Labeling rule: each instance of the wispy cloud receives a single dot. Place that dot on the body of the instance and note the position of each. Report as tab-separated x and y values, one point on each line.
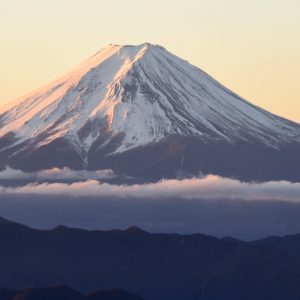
54	174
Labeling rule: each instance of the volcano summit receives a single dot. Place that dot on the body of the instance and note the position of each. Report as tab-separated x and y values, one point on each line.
144	112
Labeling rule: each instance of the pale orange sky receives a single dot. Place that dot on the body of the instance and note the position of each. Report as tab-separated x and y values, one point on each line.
252	47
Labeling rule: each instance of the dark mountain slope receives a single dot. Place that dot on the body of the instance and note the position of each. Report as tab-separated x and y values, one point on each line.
65	293
53	293
7	294
156	266
113	294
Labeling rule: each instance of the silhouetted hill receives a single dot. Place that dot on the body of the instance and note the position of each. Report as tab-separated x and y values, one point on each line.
3	221
52	293
7	294
288	244
155	266
113	294
65	293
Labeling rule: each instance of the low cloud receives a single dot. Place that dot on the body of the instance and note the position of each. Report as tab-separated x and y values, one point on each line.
209	187
212	205
57	174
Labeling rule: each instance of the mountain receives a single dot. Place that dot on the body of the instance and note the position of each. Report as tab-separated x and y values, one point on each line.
53	293
7	294
65	293
3	221
144	112
156	266
113	294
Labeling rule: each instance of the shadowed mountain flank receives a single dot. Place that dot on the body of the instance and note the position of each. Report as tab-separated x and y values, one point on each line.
199	266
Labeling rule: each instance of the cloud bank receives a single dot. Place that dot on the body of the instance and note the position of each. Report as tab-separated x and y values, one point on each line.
212	205
209	187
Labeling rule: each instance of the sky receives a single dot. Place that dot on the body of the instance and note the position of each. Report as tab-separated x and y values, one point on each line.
252	47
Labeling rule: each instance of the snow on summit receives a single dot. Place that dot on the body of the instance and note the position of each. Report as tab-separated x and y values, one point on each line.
141	94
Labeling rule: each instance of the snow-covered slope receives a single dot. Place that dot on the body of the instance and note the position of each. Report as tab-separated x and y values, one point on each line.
141	95
145	93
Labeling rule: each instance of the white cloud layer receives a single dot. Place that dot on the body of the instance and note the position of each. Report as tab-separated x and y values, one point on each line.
209	187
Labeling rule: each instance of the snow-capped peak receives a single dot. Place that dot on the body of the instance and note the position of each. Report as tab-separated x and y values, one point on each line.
142	94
